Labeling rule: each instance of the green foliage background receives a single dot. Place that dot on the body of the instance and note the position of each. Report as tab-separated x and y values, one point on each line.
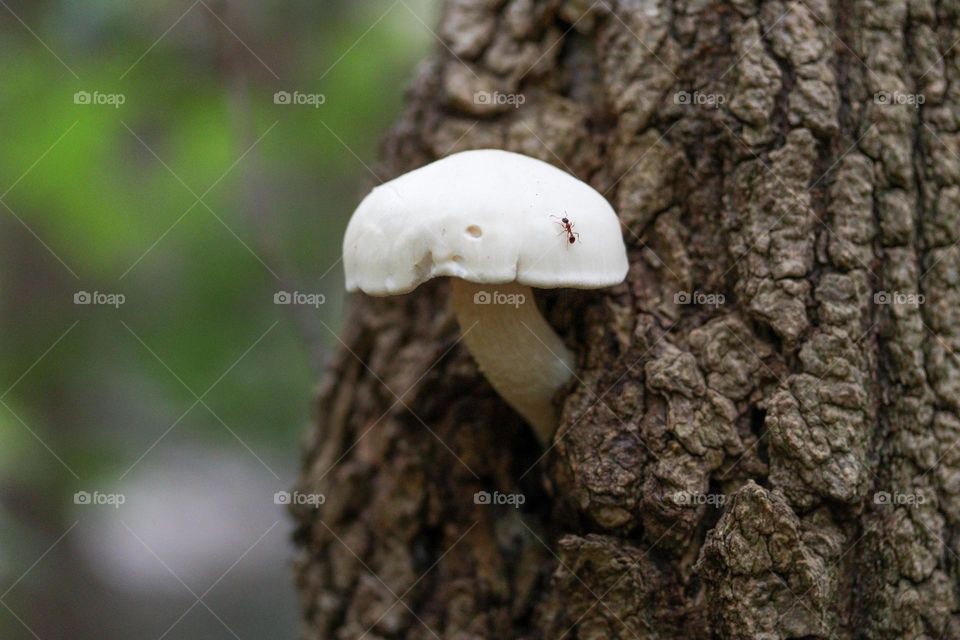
89	207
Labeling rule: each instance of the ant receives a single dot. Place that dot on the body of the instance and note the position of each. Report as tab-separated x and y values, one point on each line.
572	236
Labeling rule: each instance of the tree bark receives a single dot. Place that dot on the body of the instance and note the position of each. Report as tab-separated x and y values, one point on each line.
762	437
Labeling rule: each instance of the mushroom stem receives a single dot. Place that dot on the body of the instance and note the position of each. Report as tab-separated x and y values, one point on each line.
518	352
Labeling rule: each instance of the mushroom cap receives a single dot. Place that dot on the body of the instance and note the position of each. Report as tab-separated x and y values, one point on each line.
484	216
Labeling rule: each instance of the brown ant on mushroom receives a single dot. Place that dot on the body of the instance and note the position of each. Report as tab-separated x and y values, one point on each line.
572	236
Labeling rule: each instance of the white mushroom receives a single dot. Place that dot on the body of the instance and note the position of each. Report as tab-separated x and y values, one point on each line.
492	221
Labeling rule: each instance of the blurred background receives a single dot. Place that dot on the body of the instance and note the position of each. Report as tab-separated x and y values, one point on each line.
175	179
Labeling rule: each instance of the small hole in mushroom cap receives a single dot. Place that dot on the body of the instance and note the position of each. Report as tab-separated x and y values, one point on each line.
474	231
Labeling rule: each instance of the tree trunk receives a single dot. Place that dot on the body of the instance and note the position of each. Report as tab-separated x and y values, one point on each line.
762	437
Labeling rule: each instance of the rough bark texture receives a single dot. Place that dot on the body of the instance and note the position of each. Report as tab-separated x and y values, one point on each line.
781	465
